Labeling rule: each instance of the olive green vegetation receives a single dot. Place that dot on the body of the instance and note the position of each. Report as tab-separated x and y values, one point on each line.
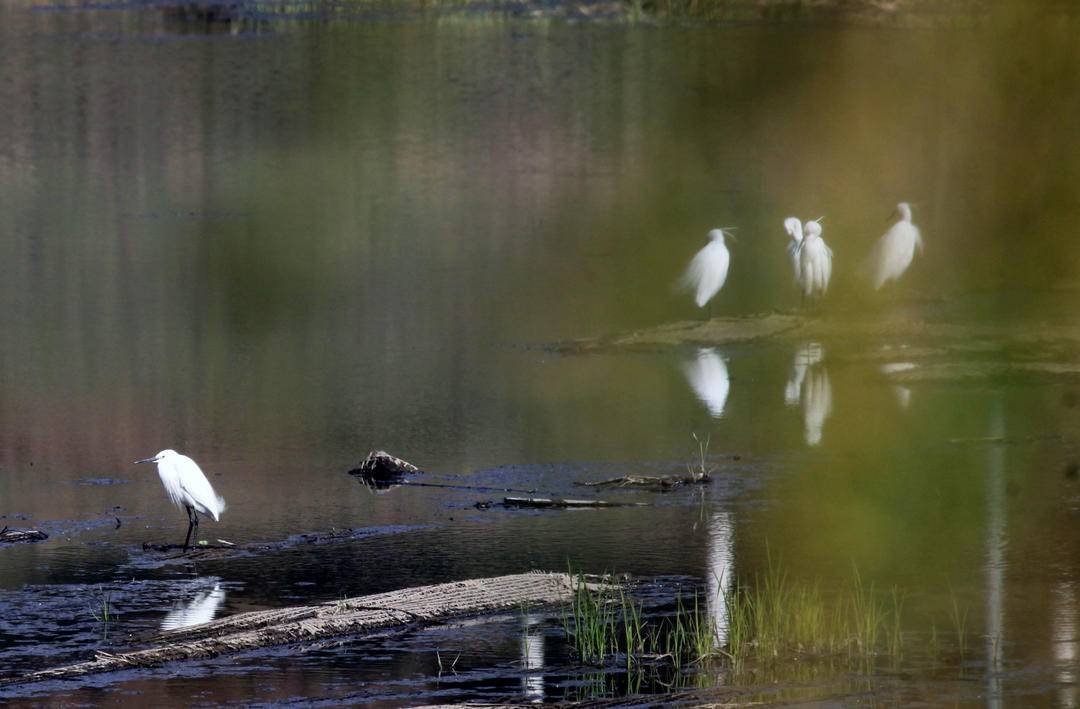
770	621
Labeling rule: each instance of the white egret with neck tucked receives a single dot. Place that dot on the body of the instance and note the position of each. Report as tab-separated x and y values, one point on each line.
895	249
187	487
708	269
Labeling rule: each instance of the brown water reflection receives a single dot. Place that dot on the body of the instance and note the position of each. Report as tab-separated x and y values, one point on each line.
277	250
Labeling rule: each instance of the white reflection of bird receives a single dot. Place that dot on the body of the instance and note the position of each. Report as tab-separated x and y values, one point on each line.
815	262
708	269
805	356
532	658
721	568
903	394
199	610
794	229
187	487
894	251
817	403
708	377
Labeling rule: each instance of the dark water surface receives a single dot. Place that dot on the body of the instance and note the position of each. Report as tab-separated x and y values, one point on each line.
275	245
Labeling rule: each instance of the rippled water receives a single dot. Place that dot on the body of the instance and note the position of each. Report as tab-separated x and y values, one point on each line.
276	245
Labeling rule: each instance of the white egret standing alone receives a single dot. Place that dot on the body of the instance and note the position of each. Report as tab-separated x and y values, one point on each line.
186	486
794	229
815	262
895	249
708	269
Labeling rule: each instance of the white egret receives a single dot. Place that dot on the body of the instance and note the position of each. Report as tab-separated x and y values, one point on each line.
708	269
708	377
794	229
186	486
815	262
894	251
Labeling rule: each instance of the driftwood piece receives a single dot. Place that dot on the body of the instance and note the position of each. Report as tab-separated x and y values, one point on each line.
663	482
423	605
381	470
558	503
14	536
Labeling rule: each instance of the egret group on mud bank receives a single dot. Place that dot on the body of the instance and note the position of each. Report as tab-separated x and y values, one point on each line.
810	257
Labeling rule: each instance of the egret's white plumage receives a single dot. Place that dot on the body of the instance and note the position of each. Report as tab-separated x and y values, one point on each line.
707	270
794	229
708	377
815	262
187	486
894	251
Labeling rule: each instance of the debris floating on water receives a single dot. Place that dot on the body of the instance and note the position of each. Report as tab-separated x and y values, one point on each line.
15	536
381	470
558	503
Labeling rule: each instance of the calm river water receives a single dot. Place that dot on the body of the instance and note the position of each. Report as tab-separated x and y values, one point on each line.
275	245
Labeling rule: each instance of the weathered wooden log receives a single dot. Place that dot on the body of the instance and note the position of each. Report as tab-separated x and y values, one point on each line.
424	605
557	503
15	536
381	470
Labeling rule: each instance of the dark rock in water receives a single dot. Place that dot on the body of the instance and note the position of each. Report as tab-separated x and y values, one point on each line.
381	470
14	536
1072	470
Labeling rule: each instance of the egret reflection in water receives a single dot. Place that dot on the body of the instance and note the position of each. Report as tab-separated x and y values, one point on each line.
1066	643
708	377
200	609
532	659
805	357
903	394
809	384
721	560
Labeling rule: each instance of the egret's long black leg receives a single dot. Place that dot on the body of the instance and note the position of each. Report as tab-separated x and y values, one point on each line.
192	523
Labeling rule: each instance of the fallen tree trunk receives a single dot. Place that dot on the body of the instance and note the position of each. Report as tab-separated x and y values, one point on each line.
14	536
423	605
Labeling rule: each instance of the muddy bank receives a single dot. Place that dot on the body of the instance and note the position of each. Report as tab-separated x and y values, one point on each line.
260	629
904	13
904	349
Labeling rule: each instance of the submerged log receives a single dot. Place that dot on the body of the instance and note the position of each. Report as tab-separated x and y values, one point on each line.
424	605
381	470
664	482
558	503
14	536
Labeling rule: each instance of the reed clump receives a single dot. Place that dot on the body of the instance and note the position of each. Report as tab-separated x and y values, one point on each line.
768	619
774	618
